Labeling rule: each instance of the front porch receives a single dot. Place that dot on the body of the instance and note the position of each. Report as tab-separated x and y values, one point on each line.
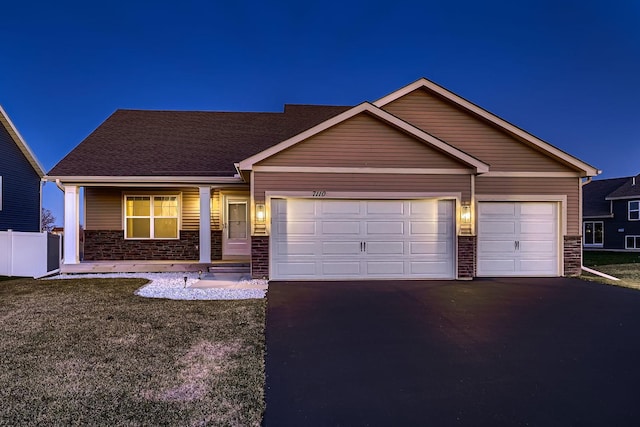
142	266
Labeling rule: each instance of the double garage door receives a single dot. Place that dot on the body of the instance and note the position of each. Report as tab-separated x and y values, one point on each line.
362	239
518	239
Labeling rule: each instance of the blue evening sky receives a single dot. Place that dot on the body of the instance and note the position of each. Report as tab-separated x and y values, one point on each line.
567	71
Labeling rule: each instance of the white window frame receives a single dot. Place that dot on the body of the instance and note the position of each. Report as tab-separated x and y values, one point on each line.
636	241
635	210
584	233
152	217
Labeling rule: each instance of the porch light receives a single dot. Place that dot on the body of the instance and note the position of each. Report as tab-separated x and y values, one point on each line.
260	213
465	213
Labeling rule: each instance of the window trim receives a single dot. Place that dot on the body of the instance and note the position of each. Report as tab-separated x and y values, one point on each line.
592	245
151	217
636	210
636	241
1	191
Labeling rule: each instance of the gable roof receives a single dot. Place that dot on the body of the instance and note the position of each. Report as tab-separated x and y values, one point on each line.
628	190
365	107
138	143
594	193
474	109
6	122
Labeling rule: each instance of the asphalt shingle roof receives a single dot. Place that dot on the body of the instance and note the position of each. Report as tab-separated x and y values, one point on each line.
596	193
184	143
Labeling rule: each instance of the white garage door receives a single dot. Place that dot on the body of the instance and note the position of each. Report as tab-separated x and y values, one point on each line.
518	239
362	239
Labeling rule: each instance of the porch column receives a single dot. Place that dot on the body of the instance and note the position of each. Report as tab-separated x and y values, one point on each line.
205	224
70	250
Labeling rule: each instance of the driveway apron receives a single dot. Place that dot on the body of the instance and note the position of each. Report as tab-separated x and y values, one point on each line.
534	352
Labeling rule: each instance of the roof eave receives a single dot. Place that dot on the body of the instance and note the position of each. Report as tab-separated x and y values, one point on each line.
145	180
20	142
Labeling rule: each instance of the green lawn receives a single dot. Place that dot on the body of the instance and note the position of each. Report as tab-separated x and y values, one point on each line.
622	265
596	258
89	352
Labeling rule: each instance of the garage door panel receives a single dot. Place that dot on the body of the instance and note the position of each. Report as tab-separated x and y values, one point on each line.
537	228
296	248
538	247
429	268
496	246
429	248
497	227
296	269
497	209
385	268
341	227
429	228
386	207
538	210
339	248
341	268
524	245
297	228
340	208
538	266
385	227
385	248
362	239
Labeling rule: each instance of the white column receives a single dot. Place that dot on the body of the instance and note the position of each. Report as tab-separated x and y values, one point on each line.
205	224
71	252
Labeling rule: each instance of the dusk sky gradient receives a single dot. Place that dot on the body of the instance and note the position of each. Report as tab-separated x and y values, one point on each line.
566	71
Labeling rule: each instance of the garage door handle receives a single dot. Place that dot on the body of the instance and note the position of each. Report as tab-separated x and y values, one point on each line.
517	245
365	246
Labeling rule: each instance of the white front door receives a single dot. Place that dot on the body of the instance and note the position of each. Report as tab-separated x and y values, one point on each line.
236	238
518	239
362	239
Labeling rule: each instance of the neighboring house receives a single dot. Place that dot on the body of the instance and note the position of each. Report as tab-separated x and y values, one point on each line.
24	249
611	213
419	184
20	181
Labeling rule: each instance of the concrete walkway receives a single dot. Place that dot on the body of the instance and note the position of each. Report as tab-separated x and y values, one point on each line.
511	352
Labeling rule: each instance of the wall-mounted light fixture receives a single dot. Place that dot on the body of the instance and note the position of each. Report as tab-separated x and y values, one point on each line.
260	213
465	213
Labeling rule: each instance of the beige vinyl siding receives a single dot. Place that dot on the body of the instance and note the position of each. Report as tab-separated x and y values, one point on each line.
538	186
363	141
470	134
344	182
104	206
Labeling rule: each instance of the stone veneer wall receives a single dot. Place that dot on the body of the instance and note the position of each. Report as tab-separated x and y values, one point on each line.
572	255
110	245
466	257
260	257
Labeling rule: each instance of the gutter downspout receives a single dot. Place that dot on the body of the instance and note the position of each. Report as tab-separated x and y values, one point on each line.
590	270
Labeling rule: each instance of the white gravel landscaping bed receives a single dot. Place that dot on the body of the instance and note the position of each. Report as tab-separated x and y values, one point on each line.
172	286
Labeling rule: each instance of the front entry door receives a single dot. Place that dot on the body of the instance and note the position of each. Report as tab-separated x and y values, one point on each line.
236	236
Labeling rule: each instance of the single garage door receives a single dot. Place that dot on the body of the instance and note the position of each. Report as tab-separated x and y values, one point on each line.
518	239
362	239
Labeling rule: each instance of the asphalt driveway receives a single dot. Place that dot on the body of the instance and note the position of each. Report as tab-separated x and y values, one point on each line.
529	352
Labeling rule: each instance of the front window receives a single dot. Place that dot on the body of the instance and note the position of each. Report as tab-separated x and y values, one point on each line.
634	210
593	233
632	242
151	217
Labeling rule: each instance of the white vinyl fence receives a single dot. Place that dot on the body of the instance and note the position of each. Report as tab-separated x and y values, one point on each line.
28	254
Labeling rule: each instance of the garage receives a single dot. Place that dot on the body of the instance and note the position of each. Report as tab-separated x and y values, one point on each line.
518	239
332	239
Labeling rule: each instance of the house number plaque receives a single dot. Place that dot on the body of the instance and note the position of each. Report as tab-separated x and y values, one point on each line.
318	193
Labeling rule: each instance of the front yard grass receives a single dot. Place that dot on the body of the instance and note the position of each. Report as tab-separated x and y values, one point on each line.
90	352
623	265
